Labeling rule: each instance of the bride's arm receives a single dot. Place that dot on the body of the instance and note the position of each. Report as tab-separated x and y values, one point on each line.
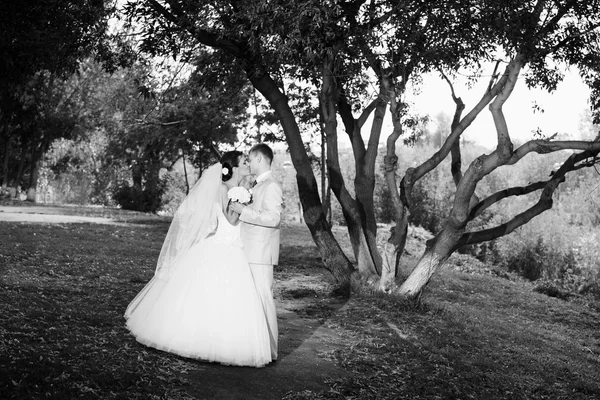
231	215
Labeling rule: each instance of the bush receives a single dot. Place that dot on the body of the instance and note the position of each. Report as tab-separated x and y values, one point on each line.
174	192
145	200
5	194
542	261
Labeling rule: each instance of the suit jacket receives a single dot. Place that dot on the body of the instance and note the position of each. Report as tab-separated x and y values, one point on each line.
260	229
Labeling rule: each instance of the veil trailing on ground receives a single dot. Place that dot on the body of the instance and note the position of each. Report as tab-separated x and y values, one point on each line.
195	218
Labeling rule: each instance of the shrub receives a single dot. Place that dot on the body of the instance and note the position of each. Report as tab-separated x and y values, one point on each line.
145	200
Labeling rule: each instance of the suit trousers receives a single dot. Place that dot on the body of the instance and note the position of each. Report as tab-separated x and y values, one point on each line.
263	280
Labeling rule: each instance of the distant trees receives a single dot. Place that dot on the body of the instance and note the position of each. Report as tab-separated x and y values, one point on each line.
50	89
41	44
133	129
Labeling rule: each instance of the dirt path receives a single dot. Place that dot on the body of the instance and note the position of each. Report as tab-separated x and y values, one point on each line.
306	344
51	215
305	362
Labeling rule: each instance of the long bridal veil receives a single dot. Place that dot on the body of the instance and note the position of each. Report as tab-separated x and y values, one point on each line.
194	219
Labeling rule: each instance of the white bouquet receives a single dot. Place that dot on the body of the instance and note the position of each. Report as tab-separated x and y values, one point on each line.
240	194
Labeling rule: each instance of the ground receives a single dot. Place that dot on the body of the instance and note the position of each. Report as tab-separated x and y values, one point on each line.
67	273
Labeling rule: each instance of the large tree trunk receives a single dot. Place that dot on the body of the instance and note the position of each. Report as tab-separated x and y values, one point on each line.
436	253
365	180
394	247
33	180
20	171
328	99
333	257
362	209
5	159
137	175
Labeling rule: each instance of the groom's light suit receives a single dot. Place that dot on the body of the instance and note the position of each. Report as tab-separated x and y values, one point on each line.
260	235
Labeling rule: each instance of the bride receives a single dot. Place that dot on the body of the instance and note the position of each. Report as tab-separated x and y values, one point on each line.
202	302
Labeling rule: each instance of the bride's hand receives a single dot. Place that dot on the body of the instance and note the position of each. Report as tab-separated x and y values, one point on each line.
237	207
246	181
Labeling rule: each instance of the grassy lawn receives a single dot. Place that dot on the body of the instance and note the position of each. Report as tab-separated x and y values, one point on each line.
64	287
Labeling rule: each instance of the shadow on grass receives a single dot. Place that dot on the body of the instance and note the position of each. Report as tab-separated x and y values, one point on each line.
63	290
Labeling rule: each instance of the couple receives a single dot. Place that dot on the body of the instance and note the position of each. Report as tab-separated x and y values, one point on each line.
211	296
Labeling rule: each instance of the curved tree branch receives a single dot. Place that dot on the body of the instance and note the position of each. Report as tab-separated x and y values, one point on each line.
503	194
456	163
541	146
505	146
454	136
543	204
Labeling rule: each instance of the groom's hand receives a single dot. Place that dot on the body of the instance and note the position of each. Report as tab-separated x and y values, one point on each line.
237	207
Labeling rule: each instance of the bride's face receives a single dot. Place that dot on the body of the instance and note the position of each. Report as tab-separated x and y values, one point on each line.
243	167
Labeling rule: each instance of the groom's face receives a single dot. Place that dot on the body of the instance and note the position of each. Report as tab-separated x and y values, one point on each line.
253	161
244	167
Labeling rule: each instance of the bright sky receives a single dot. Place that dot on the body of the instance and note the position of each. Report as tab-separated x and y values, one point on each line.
563	109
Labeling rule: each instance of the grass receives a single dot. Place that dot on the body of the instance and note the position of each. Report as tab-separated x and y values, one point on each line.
64	287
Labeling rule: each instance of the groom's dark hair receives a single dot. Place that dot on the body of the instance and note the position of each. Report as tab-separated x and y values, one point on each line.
264	150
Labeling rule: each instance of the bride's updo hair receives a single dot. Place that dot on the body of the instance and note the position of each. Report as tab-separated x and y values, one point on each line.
228	161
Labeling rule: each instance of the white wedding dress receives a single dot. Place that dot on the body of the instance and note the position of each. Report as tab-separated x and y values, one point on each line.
208	308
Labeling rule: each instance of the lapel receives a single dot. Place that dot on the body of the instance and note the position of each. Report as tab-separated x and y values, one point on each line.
258	189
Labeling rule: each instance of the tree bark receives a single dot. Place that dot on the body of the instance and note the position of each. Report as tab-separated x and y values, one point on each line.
333	257
436	253
328	99
33	180
137	175
363	208
20	170
398	235
365	183
5	159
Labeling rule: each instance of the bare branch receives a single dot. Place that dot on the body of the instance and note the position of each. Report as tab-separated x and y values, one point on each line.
352	127
545	146
456	99
215	150
504	143
494	75
367	112
454	136
543	204
456	163
144	121
503	194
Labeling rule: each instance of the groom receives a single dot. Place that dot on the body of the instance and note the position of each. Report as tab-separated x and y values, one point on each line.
260	231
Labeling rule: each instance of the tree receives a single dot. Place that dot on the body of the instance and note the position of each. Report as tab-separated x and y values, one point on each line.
50	110
529	34
346	46
149	126
233	32
50	36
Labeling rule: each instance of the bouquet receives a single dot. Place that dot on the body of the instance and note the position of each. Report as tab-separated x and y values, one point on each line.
240	194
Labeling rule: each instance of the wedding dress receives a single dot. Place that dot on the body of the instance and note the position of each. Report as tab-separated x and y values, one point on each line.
202	302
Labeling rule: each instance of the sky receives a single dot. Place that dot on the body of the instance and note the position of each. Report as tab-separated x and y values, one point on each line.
563	109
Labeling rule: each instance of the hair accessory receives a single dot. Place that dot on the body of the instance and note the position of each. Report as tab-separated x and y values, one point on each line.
225	170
